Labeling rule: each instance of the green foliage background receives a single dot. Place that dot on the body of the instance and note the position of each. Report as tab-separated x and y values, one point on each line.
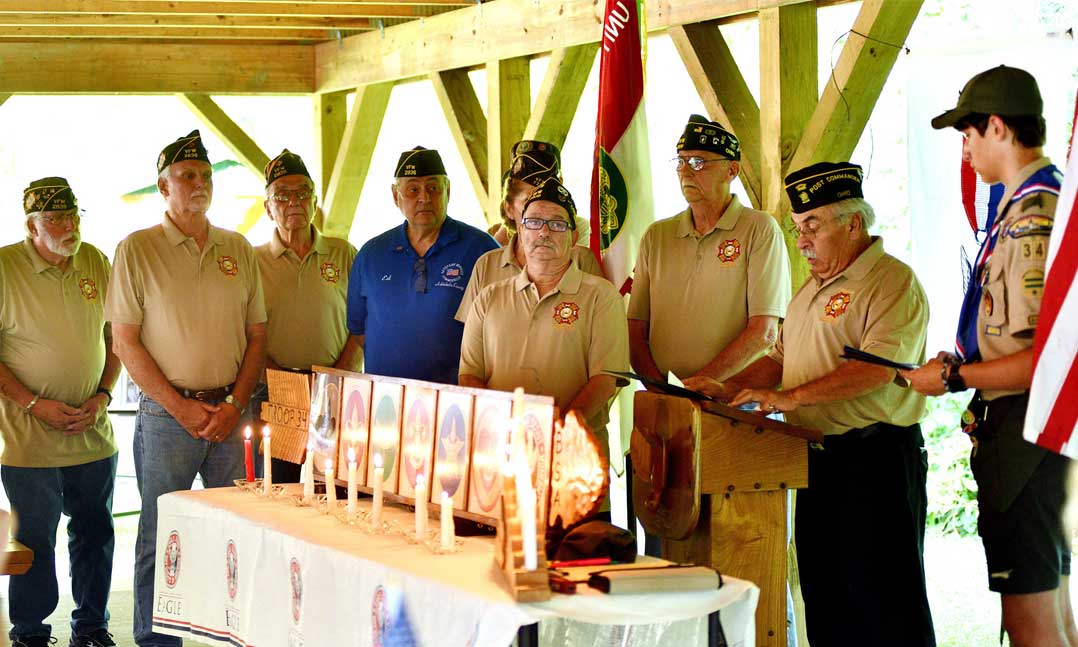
952	492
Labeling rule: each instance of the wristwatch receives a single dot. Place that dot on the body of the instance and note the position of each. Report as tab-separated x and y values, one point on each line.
952	379
231	399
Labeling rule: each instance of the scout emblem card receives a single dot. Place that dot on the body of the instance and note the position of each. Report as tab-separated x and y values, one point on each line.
355	426
538	422
453	448
417	437
490	435
325	418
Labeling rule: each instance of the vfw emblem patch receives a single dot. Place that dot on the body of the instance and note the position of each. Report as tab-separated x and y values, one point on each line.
837	304
172	559
330	273
228	265
88	289
232	568
729	250
566	312
296	580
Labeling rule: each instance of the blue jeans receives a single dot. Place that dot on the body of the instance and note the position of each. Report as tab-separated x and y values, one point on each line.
167	459
38	496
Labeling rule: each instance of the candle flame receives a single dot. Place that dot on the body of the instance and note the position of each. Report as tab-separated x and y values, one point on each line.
445	497
328	465
351	454
378	461
247	433
265	431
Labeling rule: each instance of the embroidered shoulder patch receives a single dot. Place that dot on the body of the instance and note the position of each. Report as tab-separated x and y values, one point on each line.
1033	225
837	304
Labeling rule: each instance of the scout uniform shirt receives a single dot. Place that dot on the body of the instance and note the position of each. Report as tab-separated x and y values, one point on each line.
499	264
1013	277
194	305
550	346
306	300
876	304
51	338
698	291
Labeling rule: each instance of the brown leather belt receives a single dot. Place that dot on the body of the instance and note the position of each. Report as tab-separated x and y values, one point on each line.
207	395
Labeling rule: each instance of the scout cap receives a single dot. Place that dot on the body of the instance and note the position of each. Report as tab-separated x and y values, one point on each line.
184	148
287	163
533	161
419	162
552	190
48	194
703	135
822	184
1004	91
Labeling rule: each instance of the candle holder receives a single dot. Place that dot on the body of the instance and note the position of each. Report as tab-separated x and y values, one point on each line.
363	522
436	547
524	585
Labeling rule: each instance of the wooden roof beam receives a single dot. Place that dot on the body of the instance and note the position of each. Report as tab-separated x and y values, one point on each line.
158	21
467	123
167	8
157	33
354	158
228	131
566	75
726	96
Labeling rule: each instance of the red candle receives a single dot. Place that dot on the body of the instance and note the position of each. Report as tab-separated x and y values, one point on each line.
248	457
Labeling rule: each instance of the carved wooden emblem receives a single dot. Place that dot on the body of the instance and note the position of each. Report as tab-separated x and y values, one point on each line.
580	473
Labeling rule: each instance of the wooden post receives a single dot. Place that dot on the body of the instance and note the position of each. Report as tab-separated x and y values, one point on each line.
508	110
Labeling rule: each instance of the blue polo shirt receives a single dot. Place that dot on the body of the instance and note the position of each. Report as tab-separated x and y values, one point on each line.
411	333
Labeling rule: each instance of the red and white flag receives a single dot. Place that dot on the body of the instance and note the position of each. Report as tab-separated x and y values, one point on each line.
621	208
1052	417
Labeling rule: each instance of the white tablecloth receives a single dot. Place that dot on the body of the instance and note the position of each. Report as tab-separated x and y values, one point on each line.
234	568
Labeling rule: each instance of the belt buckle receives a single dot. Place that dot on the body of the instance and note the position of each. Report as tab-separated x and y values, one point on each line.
199	395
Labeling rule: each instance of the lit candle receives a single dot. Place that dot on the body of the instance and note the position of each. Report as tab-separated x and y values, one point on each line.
308	473
526	510
331	486
248	458
352	483
421	507
448	528
376	505
267	464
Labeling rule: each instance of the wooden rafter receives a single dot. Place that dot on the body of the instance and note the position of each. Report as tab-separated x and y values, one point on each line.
106	22
168	33
169	8
330	120
863	67
467	123
508	110
726	96
354	158
555	106
240	143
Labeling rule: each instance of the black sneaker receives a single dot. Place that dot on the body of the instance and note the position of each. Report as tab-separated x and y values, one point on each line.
97	638
33	641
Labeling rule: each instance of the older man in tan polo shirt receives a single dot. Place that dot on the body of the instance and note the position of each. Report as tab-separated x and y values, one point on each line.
305	280
56	372
190	326
552	329
860	523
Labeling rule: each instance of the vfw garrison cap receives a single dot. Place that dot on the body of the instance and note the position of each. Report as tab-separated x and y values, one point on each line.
703	135
419	162
48	194
287	163
552	190
822	184
184	148
533	161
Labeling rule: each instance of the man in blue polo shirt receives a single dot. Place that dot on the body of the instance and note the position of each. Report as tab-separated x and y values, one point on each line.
406	283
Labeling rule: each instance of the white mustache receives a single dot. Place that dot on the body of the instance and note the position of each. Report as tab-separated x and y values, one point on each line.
808	254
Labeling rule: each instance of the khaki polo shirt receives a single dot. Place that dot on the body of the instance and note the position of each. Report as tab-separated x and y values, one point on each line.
876	304
500	264
550	346
698	291
1014	275
194	305
306	300
51	339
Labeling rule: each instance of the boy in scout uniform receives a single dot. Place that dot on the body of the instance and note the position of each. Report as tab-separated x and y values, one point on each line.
1020	485
552	329
532	163
860	523
305	280
710	284
190	326
407	283
57	370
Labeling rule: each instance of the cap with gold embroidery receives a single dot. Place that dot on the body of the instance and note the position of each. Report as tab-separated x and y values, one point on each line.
48	194
419	162
703	135
184	148
823	183
552	190
533	161
287	163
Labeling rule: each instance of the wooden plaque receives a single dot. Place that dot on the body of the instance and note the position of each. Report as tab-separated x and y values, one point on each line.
490	435
417	437
325	418
386	401
579	475
453	448
355	426
287	412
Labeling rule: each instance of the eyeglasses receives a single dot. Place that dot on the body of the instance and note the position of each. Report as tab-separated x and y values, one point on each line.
809	231
284	197
535	224
420	271
694	162
61	219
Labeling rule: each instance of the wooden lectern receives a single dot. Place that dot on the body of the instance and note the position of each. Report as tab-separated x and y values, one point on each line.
712	481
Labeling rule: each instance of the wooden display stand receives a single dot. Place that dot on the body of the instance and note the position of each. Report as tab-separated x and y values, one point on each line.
712	481
524	585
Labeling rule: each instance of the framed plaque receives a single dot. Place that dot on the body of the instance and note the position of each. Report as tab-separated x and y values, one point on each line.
386	401
490	435
355	426
325	418
417	437
452	448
